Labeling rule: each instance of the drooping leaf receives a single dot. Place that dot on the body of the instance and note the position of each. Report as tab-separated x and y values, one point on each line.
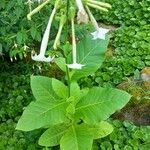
102	129
90	53
59	88
42	88
52	136
77	138
100	103
42	113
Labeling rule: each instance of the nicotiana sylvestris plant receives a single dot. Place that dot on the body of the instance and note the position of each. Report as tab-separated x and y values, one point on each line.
72	117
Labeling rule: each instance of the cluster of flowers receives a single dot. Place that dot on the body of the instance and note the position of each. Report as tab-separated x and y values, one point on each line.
83	16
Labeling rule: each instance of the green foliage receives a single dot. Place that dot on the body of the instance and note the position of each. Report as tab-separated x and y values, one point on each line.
11	109
16	32
131	53
127	13
91	54
78	138
99	103
130	48
52	110
126	136
15	94
52	136
47	109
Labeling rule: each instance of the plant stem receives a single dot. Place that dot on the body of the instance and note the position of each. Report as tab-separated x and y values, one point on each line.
67	35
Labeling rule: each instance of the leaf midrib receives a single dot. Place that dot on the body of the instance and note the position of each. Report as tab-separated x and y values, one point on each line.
75	135
88	53
97	103
51	108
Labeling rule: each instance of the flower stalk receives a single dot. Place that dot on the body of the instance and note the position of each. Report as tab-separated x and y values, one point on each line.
75	65
97	7
57	39
37	9
102	4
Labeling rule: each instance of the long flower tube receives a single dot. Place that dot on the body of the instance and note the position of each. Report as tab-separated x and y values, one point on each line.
44	43
82	16
102	4
97	7
100	33
37	9
75	65
57	39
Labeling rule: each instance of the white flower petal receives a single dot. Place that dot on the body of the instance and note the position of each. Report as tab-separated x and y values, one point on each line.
100	34
75	66
42	58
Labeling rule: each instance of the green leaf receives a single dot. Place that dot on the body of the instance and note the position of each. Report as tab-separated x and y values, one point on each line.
61	63
42	113
102	129
52	136
42	88
100	103
90	53
77	138
75	90
59	88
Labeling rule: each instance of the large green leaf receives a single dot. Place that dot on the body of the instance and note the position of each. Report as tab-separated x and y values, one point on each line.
91	54
100	103
52	136
42	88
42	113
77	138
45	88
101	129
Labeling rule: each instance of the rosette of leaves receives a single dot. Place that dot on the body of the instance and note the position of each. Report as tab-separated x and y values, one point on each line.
73	117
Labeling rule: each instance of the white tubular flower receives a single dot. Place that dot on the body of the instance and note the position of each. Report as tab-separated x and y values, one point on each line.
100	33
44	43
82	16
75	65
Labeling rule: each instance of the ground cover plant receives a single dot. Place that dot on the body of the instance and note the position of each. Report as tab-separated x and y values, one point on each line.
126	13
